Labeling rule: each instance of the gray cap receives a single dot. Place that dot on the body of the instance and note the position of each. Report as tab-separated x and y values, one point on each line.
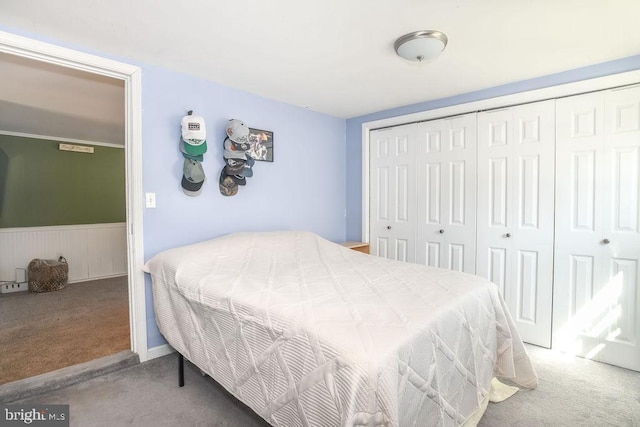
238	131
192	177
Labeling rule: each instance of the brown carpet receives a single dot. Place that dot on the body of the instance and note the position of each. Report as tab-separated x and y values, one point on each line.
43	332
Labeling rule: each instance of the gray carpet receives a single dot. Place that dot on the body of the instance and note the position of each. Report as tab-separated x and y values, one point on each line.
148	395
572	392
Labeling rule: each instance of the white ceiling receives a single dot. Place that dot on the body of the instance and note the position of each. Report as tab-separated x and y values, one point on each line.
37	98
336	56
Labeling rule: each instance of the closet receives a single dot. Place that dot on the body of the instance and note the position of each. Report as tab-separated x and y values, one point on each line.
423	193
541	198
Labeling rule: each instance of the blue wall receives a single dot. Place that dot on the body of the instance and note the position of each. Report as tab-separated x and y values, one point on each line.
354	125
302	189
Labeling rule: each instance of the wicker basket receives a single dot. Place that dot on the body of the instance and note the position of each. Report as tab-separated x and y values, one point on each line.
46	275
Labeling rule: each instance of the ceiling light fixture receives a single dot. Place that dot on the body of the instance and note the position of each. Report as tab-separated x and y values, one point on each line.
421	45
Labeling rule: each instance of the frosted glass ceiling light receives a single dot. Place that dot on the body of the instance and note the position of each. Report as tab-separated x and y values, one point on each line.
420	45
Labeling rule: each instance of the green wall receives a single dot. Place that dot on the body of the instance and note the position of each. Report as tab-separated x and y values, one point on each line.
41	185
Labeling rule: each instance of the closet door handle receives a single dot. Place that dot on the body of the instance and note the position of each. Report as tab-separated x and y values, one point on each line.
507	235
441	231
388	227
606	241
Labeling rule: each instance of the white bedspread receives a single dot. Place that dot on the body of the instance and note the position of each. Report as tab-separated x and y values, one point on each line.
308	333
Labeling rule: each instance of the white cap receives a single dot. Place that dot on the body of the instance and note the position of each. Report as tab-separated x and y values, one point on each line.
193	129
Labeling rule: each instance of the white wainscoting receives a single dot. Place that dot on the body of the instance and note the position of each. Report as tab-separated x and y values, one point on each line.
92	250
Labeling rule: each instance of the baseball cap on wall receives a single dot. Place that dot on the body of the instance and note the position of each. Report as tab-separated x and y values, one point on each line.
192	177
193	128
230	152
186	155
194	135
228	187
195	147
238	131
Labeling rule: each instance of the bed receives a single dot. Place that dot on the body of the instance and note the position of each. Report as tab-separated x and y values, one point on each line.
306	332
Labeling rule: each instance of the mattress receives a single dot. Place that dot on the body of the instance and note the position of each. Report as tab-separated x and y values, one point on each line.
308	333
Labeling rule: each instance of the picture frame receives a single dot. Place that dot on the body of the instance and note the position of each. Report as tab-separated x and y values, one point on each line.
261	145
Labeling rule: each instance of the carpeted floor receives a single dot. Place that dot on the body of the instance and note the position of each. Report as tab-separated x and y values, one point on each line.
43	332
573	392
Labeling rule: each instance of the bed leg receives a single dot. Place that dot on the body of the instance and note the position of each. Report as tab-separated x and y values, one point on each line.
180	370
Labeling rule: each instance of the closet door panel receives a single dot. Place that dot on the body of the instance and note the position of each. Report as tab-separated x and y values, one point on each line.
621	344
460	225
495	139
446	193
515	212
531	294
578	271
432	194
596	296
392	196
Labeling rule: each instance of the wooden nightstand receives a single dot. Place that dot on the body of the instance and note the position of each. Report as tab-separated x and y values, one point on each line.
357	246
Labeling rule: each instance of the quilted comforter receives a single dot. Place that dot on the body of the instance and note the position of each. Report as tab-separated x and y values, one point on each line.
308	333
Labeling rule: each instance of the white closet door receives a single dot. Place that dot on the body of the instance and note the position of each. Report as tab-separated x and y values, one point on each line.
495	213
579	202
596	296
446	187
392	199
515	212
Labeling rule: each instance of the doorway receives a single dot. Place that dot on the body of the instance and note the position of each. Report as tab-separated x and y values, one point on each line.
131	78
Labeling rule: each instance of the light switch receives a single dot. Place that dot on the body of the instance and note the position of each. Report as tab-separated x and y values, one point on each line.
151	200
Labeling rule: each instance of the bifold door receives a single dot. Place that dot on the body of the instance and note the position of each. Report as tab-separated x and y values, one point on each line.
446	188
515	212
392	199
597	254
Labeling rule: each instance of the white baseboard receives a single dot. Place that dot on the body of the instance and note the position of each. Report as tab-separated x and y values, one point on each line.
108	276
159	351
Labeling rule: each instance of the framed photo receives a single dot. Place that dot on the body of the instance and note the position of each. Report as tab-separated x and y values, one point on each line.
261	144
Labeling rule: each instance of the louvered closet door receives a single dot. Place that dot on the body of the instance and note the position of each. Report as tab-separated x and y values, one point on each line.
446	187
515	212
597	262
392	198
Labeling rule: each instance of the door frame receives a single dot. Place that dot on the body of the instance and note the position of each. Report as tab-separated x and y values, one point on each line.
132	77
558	91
